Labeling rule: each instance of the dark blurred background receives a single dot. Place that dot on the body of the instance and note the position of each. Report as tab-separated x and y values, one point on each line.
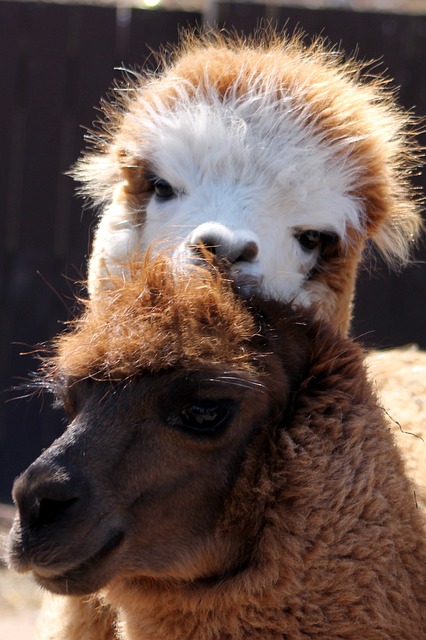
56	61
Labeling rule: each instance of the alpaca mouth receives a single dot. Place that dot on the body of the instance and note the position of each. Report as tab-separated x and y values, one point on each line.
245	284
85	577
239	271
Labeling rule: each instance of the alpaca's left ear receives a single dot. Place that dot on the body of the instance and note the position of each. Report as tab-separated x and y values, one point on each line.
101	173
118	234
97	173
133	172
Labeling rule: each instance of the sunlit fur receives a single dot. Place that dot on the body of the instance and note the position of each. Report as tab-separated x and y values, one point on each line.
295	519
266	136
400	375
148	321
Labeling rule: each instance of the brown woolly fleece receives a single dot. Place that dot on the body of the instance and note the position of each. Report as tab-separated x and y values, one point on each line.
400	376
318	529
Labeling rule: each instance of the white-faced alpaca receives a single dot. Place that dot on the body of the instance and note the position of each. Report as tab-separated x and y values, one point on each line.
226	474
278	156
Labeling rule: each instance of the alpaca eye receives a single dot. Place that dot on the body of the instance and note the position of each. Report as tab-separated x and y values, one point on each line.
65	401
312	239
309	240
204	417
70	396
163	189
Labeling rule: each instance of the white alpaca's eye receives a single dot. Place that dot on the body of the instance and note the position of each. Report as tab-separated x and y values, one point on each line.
163	189
309	240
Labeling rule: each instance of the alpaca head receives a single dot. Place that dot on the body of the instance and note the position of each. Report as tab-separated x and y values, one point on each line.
166	384
275	156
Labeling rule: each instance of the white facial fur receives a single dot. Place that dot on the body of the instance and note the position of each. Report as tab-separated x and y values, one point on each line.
250	168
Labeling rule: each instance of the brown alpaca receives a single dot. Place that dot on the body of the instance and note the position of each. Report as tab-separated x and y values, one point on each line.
400	376
226	474
277	156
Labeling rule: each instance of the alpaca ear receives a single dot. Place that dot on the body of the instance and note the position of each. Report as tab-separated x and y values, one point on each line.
133	172
122	213
97	173
100	173
390	155
397	236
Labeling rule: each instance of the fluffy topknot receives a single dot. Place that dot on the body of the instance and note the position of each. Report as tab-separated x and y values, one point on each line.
154	319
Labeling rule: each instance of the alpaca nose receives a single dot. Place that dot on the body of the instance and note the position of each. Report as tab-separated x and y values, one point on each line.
45	494
224	243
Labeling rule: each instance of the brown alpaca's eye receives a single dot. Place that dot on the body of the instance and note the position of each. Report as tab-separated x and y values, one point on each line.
163	189
204	417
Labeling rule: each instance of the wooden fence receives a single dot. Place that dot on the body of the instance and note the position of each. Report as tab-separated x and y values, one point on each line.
56	61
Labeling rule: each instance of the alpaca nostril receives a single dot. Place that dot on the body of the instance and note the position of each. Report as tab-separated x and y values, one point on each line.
29	510
34	511
53	510
249	252
44	496
200	245
223	243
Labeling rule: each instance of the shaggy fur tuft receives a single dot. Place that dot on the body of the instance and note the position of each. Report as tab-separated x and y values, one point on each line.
152	320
